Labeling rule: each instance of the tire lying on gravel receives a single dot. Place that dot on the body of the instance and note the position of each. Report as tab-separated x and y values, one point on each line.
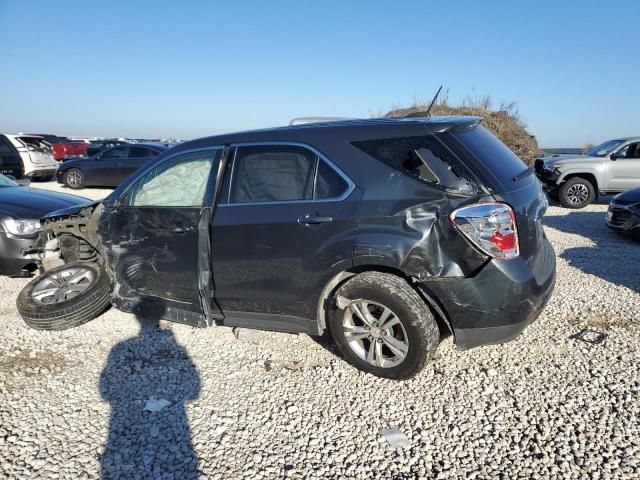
382	326
65	296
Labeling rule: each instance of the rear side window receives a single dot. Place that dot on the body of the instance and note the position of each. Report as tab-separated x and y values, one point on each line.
281	173
422	157
272	173
329	184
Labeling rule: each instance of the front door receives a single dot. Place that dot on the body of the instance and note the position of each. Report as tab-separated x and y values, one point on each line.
623	170
104	170
285	225
154	237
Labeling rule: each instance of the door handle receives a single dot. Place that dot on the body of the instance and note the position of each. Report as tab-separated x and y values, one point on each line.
313	219
179	230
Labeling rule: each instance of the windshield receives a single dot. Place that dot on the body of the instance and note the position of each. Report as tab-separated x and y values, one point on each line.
605	148
7	182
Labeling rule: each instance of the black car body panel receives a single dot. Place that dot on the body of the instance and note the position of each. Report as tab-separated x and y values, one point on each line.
624	212
18	202
272	265
106	170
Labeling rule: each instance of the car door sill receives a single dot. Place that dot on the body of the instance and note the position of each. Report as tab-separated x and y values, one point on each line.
270	321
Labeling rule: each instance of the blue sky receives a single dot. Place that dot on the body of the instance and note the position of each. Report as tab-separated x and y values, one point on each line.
189	69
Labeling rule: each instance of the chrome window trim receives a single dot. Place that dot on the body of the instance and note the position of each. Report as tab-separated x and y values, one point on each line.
350	185
142	173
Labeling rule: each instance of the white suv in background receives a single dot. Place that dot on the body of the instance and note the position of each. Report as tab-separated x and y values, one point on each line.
36	156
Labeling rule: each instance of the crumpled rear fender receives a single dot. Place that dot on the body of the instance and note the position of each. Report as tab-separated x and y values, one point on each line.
418	240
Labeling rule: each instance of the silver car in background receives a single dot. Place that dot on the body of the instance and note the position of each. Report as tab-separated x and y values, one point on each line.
577	180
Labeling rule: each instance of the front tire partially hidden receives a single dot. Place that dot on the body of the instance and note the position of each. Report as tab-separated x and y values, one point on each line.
65	297
382	326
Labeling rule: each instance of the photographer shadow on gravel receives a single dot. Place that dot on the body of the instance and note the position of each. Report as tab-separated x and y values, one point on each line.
142	443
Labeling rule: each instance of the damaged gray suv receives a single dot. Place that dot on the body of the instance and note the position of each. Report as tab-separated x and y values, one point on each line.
387	233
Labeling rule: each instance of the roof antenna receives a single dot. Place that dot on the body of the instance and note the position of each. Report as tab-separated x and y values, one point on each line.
435	97
422	114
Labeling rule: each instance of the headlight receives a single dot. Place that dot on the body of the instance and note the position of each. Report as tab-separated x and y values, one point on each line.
21	227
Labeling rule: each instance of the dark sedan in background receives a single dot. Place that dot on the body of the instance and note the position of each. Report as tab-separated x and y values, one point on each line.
624	212
108	168
20	211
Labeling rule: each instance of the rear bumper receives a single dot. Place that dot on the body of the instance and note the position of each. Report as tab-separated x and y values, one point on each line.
12	262
500	301
41	172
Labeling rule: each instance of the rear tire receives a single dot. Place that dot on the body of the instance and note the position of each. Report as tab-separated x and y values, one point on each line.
394	345
576	192
74	178
44	306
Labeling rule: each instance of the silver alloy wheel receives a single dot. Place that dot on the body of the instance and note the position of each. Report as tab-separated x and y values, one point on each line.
577	194
74	178
62	285
375	333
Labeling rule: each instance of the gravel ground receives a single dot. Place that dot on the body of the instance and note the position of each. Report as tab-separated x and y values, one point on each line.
266	405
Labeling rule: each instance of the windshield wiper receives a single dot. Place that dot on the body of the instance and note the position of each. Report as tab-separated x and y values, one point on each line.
523	174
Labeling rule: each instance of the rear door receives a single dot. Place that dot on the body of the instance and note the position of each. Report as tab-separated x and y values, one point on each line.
623	172
285	225
10	161
156	235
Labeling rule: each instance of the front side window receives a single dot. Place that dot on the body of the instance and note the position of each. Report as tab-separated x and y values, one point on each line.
629	151
271	173
178	182
118	152
605	148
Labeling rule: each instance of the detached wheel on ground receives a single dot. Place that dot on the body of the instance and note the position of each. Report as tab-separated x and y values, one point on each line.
382	326
73	178
576	193
65	297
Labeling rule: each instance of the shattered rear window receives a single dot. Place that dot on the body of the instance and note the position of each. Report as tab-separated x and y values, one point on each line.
422	157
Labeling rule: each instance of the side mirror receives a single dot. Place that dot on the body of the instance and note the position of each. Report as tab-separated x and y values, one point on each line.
616	155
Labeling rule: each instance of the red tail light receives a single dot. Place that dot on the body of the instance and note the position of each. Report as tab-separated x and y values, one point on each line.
489	226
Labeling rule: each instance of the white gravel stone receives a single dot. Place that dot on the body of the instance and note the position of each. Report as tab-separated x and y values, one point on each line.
542	406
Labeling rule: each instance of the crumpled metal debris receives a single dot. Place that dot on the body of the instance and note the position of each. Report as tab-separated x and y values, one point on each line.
155	405
395	438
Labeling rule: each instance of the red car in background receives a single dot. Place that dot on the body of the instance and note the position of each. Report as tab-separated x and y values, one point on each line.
57	145
75	148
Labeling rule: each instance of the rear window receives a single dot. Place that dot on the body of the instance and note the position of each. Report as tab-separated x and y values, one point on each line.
495	155
424	158
34	142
